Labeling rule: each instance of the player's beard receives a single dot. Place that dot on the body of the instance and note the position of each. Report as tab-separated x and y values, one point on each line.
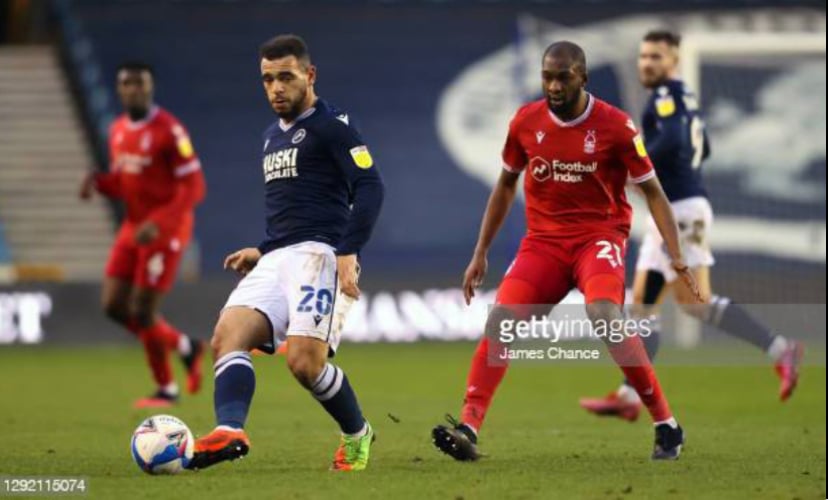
296	108
564	110
652	80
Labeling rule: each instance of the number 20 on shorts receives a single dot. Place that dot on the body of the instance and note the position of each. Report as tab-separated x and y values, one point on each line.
323	296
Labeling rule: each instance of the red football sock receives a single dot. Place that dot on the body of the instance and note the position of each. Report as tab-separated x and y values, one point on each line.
169	335
484	377
157	355
631	357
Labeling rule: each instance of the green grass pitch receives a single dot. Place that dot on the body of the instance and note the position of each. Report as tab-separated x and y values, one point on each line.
68	412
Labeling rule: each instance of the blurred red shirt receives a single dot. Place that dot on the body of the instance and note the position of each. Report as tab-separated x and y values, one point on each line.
155	171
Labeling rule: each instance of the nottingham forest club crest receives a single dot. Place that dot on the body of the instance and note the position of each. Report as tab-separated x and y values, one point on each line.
146	141
589	142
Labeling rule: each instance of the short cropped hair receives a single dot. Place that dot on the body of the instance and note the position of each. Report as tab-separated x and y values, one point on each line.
671	38
283	46
134	65
565	48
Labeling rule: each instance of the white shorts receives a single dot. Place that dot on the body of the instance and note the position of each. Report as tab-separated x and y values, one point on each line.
694	217
296	288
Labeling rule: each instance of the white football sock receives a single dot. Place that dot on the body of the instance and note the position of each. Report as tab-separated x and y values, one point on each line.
361	433
627	394
185	347
777	347
171	389
670	421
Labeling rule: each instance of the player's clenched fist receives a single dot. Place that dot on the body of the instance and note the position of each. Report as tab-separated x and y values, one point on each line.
347	269
243	261
87	186
473	277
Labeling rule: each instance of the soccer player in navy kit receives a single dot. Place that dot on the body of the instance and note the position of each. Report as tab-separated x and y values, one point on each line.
323	196
677	142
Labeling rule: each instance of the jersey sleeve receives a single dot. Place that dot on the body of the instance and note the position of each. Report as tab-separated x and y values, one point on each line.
351	155
668	108
180	151
109	183
190	187
632	152
514	156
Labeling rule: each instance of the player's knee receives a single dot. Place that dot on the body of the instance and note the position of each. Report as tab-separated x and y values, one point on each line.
305	366
602	310
500	319
604	288
223	340
503	316
142	313
687	302
116	310
699	311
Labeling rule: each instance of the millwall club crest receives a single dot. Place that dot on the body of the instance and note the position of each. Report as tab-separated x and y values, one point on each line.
589	142
298	136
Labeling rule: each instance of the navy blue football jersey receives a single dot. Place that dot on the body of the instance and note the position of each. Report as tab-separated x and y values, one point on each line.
321	183
676	139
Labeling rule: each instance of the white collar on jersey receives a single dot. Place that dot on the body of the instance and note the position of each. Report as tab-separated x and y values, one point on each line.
152	113
287	126
578	120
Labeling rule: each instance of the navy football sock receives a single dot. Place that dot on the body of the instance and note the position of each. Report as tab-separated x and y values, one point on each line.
735	320
235	384
334	393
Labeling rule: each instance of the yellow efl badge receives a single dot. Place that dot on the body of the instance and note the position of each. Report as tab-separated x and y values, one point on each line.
639	146
185	147
362	157
665	106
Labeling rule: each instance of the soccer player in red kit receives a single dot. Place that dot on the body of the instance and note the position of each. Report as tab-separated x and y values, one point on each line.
578	153
155	172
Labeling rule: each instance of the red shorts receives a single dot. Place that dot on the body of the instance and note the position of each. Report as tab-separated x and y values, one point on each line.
545	270
153	266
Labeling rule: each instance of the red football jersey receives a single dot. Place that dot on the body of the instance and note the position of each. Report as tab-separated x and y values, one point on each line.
577	170
155	170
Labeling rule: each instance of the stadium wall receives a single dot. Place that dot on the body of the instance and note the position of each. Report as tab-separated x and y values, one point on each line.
433	108
398	83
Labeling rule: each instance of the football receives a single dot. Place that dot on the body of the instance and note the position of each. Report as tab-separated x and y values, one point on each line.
162	444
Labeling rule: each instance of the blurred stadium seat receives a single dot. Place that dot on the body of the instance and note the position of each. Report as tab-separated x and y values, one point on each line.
43	152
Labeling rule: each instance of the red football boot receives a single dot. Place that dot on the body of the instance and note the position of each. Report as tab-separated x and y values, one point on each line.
612	406
218	446
787	367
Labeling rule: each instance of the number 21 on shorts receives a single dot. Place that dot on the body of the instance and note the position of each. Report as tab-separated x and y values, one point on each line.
611	252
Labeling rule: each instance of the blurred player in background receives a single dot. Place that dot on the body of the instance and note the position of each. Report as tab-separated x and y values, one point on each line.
323	195
677	142
155	172
578	153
